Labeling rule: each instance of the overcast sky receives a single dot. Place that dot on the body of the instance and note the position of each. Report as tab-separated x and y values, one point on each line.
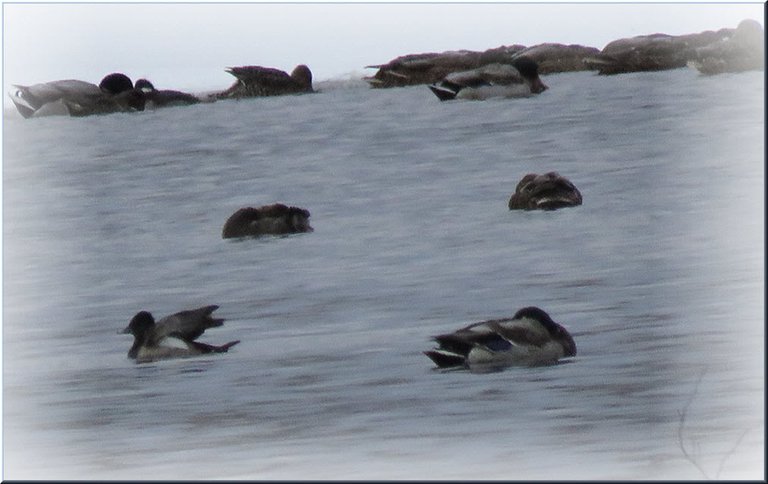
187	46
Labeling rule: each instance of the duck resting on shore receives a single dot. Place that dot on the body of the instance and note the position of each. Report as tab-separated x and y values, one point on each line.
518	79
258	81
529	338
72	97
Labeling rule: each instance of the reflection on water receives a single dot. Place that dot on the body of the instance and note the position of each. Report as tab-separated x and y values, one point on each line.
658	276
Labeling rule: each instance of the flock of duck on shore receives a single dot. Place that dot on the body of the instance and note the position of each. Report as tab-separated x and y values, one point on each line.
506	71
530	337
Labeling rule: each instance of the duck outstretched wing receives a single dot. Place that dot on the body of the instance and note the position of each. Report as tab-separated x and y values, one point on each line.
187	325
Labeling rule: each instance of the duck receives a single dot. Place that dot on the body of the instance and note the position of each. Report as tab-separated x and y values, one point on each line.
165	97
743	51
549	191
173	336
516	80
72	97
258	81
529	338
275	219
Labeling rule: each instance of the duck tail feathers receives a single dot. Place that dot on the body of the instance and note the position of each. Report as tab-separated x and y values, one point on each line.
445	359
206	348
442	93
224	348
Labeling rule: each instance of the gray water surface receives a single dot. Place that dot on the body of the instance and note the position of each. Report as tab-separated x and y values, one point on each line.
659	277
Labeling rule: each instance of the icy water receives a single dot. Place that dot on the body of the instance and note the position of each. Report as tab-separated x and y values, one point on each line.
659	276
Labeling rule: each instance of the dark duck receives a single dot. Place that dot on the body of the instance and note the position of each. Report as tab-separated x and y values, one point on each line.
173	336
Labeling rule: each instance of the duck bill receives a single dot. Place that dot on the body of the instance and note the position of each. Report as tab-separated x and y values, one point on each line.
569	345
127	330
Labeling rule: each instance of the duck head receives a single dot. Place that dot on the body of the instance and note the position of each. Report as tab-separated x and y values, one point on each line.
144	85
140	327
529	70
750	32
302	75
558	332
300	219
119	88
140	324
115	83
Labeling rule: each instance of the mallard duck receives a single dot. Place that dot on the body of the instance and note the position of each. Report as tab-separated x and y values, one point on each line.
520	79
164	97
173	336
257	81
529	338
115	93
549	191
275	219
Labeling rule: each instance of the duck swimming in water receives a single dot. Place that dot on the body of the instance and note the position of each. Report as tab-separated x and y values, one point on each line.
549	191
173	336
115	93
518	79
257	81
529	338
275	219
